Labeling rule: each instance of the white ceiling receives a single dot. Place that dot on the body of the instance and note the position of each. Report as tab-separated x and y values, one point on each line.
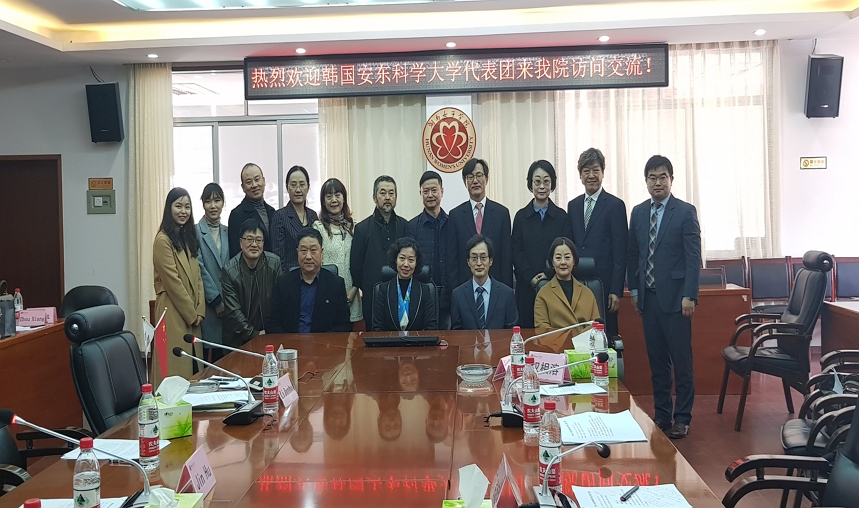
75	32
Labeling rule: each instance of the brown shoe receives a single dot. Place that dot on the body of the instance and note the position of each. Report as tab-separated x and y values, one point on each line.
678	431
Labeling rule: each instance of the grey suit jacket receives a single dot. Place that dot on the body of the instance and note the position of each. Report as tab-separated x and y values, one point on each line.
212	261
676	259
502	313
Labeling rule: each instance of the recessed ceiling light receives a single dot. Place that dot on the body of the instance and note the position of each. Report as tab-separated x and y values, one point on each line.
152	55
604	38
451	44
300	51
760	31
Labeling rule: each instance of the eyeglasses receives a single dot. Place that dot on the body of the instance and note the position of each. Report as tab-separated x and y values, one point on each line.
253	241
297	185
652	179
475	176
545	182
483	259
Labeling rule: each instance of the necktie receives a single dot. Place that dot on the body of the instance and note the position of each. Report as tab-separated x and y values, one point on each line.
588	210
648	273
481	308
478	221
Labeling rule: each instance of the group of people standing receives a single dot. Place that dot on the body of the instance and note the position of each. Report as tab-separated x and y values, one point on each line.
293	270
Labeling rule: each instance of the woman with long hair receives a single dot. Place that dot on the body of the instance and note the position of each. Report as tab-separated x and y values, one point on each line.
178	283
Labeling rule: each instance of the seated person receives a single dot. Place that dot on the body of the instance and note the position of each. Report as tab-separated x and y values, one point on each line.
482	303
247	281
564	301
408	303
309	299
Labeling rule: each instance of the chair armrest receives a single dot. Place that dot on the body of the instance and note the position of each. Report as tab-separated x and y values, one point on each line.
759	462
739	331
755	317
789	337
806	408
837	437
752	484
834	400
73	432
836	357
12	475
777	327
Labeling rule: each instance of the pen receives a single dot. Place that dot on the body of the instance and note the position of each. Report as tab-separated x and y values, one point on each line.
628	494
573	383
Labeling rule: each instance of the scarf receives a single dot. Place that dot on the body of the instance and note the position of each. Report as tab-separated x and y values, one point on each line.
403	306
215	228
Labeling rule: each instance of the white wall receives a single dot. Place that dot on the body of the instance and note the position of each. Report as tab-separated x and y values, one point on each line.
44	111
819	208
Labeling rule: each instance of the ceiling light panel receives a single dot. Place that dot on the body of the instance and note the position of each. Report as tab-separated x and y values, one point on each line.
190	5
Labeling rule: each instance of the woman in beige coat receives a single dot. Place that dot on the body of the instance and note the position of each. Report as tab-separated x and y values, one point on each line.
564	301
178	284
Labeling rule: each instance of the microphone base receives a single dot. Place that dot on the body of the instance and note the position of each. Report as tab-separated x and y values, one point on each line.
136	500
245	415
543	500
510	417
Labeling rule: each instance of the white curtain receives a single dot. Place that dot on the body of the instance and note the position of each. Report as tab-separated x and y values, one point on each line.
715	122
150	168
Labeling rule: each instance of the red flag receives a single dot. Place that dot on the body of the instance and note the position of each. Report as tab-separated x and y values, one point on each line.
161	345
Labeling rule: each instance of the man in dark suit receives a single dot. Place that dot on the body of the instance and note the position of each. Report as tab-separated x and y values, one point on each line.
309	299
663	267
253	206
482	303
598	221
482	216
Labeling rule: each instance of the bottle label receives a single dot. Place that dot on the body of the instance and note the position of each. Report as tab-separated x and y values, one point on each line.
90	498
531	405
517	364
600	369
148	438
546	454
269	389
600	403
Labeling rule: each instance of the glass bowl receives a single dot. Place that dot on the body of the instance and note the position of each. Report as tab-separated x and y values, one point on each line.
475	372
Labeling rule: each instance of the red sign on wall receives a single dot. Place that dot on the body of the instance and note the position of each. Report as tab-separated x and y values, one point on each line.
617	66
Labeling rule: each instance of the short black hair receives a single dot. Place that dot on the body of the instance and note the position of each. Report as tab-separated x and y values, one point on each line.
405	243
589	157
212	191
658	161
251	225
308	233
293	169
383	178
545	166
476	240
563	240
429	175
472	164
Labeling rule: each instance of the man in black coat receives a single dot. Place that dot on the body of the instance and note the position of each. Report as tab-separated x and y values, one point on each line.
308	299
253	206
483	216
371	240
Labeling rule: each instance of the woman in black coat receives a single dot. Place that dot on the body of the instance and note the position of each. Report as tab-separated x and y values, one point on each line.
408	304
535	227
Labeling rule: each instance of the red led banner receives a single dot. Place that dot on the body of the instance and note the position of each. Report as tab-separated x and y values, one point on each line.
617	66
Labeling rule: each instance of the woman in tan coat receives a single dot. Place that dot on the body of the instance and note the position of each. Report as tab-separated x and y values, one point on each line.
564	301
178	284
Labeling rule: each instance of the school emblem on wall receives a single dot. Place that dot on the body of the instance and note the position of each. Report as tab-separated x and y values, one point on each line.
449	140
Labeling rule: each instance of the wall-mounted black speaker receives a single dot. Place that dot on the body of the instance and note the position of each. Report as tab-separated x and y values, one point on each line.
823	87
105	113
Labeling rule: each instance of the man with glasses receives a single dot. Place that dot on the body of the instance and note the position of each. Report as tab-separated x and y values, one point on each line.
662	272
248	281
599	231
308	299
485	217
482	302
253	206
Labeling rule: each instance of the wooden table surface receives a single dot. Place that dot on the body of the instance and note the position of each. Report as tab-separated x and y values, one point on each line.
839	326
380	427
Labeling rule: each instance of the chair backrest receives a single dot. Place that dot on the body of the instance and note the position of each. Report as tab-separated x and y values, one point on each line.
585	273
714	276
736	270
769	278
847	277
84	297
9	449
331	268
106	365
809	286
796	266
844	476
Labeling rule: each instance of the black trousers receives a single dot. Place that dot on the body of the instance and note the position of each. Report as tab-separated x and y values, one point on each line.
610	320
668	336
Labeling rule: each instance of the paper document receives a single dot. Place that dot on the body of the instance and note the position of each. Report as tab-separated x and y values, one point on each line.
576	389
600	427
106	502
216	398
125	448
27	328
663	496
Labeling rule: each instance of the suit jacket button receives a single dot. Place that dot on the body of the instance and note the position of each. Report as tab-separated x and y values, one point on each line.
326	301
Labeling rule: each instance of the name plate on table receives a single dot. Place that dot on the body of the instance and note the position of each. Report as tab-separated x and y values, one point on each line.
40	316
286	391
197	475
542	361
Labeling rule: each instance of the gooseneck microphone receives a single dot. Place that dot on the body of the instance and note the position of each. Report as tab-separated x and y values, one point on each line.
244	415
190	339
564	329
542	492
139	499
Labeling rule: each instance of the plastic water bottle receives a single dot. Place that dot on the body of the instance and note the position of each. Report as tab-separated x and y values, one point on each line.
550	445
87	479
599	370
270	372
531	402
517	353
18	300
148	434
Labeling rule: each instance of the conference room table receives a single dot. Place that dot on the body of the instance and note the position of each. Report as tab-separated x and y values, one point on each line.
381	427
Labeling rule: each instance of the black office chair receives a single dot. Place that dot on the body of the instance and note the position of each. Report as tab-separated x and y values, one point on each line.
84	297
796	266
13	461
736	270
713	277
389	273
789	360
106	365
770	283
846	278
331	268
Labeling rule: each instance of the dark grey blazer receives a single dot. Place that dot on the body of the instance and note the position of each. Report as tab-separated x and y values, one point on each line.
502	313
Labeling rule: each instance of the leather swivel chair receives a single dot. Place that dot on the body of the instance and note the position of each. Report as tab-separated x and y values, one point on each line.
792	330
106	365
423	275
84	297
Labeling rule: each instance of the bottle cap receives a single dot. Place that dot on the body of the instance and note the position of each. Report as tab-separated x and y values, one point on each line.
33	503
516	329
147	388
17	290
598	326
269	349
529	360
549	405
86	443
287	354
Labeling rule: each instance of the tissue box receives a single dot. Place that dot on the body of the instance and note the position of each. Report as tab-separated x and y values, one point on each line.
175	420
584	370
